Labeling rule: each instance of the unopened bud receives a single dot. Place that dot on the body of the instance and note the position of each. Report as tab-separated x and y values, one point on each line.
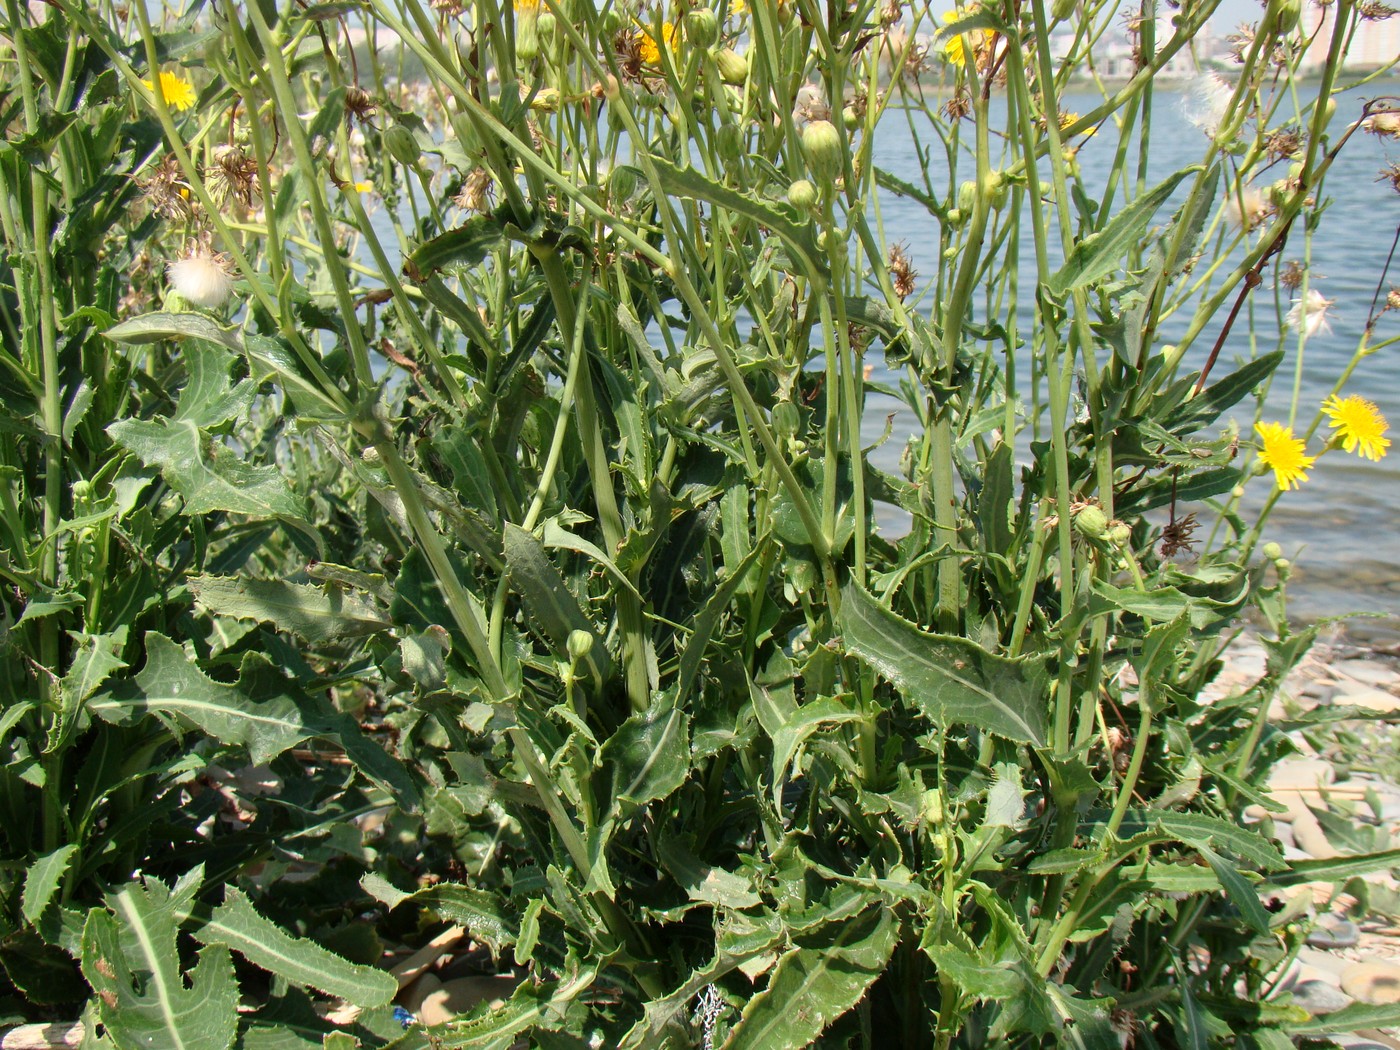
967	195
580	644
1091	521
701	27
1285	14
932	808
821	142
1120	534
803	195
1272	551
527	30
402	146
1061	10
733	67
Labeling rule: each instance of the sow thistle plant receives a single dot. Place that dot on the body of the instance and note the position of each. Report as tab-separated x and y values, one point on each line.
499	567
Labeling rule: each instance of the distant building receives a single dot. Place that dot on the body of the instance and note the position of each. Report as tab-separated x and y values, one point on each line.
1374	44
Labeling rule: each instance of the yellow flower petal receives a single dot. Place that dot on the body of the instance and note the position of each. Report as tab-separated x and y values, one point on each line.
1284	454
1359	424
179	93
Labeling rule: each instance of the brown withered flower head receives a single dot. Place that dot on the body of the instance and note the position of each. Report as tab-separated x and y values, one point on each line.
902	273
1176	537
1391	175
232	177
359	106
1291	276
1374	11
475	194
958	106
1282	143
448	8
627	46
165	190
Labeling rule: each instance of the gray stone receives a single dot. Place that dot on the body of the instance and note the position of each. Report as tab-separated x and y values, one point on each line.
1333	932
1372	672
1319	997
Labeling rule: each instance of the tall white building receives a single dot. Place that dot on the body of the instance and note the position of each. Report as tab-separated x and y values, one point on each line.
1374	43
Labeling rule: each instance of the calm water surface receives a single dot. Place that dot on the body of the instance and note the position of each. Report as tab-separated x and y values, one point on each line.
1341	527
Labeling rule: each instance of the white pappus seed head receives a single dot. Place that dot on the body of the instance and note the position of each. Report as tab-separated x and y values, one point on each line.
202	277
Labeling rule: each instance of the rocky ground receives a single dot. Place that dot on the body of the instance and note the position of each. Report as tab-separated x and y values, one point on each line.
1341	793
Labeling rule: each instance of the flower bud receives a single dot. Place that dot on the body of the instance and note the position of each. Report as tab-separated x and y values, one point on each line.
546	100
622	183
402	146
1061	10
850	118
733	67
546	27
967	195
729	143
955	219
1272	551
1091	521
702	27
1120	534
822	144
1285	14
786	418
580	644
996	189
803	195
527	29
932	808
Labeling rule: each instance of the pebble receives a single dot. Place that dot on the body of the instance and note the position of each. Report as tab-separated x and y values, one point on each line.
1319	997
1306	774
1372	672
1377	983
1333	932
1370	698
1307	832
454	998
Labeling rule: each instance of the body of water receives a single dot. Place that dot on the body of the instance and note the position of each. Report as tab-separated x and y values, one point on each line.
1341	526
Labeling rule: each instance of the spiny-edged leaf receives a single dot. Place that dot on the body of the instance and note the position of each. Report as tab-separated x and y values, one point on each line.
648	757
782	219
816	983
94	661
1087	1024
42	880
209	398
162	1012
467	245
974	975
172	685
152	328
313	613
789	725
1337	869
236	924
701	881
1351	1018
1097	255
487	917
950	679
549	599
1205	408
1204	832
704	624
543	1005
1238	889
209	475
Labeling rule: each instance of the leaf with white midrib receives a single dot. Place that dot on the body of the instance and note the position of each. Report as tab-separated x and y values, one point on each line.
952	680
238	925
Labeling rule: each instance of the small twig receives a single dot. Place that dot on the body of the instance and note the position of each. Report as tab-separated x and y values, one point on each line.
1373	315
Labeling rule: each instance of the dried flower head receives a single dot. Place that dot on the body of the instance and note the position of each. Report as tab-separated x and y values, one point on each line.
810	105
628	49
1239	42
201	276
1383	122
1291	276
232	177
475	194
448	8
902	272
1309	314
1282	144
958	106
1248	208
1392	299
359	105
1374	11
1176	536
1390	174
166	191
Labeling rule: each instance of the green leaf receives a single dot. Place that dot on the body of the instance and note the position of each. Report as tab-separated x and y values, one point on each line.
499	1027
976	976
1203	409
1238	889
312	613
951	680
1203	832
1351	1018
647	758
1097	255
237	925
1338	869
158	1010
816	983
152	328
789	725
701	881
170	684
42	880
467	245
549	599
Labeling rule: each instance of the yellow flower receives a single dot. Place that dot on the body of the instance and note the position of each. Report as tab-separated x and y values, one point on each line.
362	186
1284	453
953	48
179	93
1359	424
738	8
647	48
